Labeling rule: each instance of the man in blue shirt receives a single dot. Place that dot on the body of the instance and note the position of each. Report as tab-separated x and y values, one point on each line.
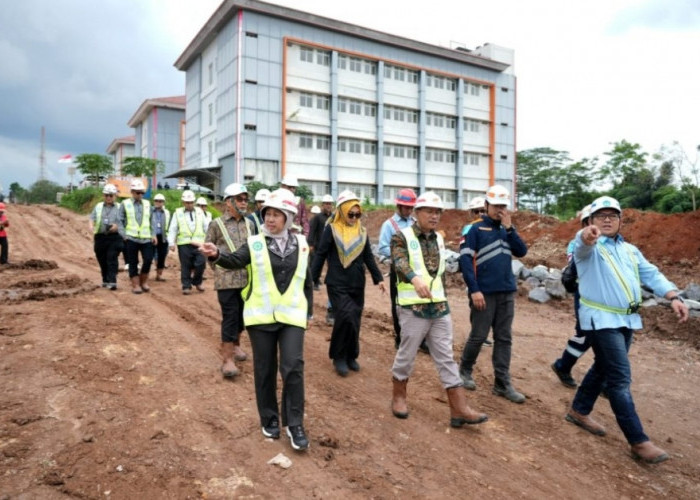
610	273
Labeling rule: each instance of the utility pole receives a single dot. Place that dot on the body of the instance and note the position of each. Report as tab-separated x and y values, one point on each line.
42	156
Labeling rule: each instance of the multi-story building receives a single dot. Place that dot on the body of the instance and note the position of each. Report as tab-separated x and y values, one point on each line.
159	125
120	149
272	90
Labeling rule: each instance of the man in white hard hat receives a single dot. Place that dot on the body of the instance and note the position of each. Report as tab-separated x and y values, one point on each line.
229	232
188	231
611	273
108	243
260	197
160	220
204	207
301	219
318	223
418	255
135	218
486	261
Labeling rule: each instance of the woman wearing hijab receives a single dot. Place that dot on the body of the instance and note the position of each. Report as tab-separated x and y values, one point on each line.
344	243
278	302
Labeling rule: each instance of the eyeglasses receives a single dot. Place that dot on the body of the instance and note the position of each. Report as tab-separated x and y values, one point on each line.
110	195
241	198
354	215
608	216
477	212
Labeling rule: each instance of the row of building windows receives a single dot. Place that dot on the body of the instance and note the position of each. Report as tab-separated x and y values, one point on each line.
356	107
391	72
359	146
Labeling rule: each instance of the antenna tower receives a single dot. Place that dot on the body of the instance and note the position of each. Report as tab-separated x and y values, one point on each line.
42	156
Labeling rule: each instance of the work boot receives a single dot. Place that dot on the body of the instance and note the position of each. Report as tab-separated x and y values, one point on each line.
143	281
564	377
460	413
585	422
238	353
398	398
136	285
341	367
467	379
506	390
228	368
649	453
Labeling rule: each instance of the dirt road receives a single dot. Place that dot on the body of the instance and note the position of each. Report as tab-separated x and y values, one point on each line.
112	395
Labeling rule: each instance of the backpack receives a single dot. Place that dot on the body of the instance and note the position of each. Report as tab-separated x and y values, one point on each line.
569	277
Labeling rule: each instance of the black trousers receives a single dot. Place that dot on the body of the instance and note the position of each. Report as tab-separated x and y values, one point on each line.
161	251
347	309
231	304
190	260
107	249
4	249
265	339
132	257
393	293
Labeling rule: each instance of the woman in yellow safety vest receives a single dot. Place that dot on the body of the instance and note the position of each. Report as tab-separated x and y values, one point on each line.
278	302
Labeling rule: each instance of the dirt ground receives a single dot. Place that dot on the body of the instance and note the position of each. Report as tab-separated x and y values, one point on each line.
112	395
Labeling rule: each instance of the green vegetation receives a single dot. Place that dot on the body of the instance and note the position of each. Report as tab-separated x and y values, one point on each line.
94	166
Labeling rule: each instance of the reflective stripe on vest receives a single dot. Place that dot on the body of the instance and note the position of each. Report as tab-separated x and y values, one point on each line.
634	304
406	292
227	237
132	228
98	214
265	304
185	236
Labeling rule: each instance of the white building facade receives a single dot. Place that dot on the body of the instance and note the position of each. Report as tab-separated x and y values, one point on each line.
272	90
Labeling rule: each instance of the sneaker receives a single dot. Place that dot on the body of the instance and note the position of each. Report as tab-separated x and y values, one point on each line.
488	343
272	429
112	286
564	378
354	365
508	392
467	379
104	285
186	291
297	437
341	367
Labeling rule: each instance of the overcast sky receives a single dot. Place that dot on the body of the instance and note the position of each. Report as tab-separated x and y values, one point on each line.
589	73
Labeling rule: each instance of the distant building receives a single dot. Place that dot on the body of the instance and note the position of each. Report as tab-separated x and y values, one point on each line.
159	125
272	90
119	150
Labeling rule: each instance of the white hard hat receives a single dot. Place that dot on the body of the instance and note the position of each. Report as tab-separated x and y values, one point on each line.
187	195
262	194
281	199
429	199
315	209
346	195
476	203
159	197
109	189
585	213
137	185
605	202
234	190
498	195
201	201
327	199
290	180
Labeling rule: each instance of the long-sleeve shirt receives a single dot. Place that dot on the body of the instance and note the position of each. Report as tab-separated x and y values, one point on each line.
597	281
5	223
486	255
238	231
388	230
109	216
138	213
318	223
159	221
191	219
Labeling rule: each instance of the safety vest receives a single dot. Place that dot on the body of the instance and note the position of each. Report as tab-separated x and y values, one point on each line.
634	303
258	221
264	304
98	215
132	228
406	292
185	235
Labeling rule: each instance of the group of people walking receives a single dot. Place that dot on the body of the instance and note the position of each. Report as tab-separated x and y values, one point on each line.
266	270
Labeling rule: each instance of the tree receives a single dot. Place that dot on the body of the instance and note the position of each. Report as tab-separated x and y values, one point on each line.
625	160
537	174
43	192
142	167
94	166
17	193
688	170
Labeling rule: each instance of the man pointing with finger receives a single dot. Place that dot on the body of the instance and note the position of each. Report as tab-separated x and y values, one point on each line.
485	259
610	274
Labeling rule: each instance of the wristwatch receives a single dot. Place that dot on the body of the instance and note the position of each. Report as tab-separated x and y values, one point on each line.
677	297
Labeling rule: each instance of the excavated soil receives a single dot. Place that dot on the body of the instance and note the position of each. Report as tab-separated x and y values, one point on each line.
114	395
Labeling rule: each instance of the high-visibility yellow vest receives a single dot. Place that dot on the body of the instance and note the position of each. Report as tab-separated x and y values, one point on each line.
98	215
185	235
264	304
132	227
406	292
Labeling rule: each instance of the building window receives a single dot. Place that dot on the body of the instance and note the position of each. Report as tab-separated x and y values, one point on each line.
370	67
387	150
356	65
210	146
306	100
412	152
451	84
210	72
355	147
399	152
211	114
323	143
370	109
451	122
412	116
323	58
450	157
370	148
342	105
412	76
322	102
387	71
306	141
343	62
471	89
387	112
342	145
250	126
306	54
355	107
399	74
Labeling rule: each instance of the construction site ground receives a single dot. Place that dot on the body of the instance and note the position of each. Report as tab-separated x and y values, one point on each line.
115	395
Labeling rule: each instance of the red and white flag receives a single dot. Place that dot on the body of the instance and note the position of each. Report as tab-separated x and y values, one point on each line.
66	159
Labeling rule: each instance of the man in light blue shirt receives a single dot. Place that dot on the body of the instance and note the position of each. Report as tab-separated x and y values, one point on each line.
610	273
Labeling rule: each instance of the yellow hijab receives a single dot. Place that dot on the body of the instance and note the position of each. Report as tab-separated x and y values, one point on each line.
349	240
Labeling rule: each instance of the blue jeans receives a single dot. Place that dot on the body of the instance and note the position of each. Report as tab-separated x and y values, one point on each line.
612	366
